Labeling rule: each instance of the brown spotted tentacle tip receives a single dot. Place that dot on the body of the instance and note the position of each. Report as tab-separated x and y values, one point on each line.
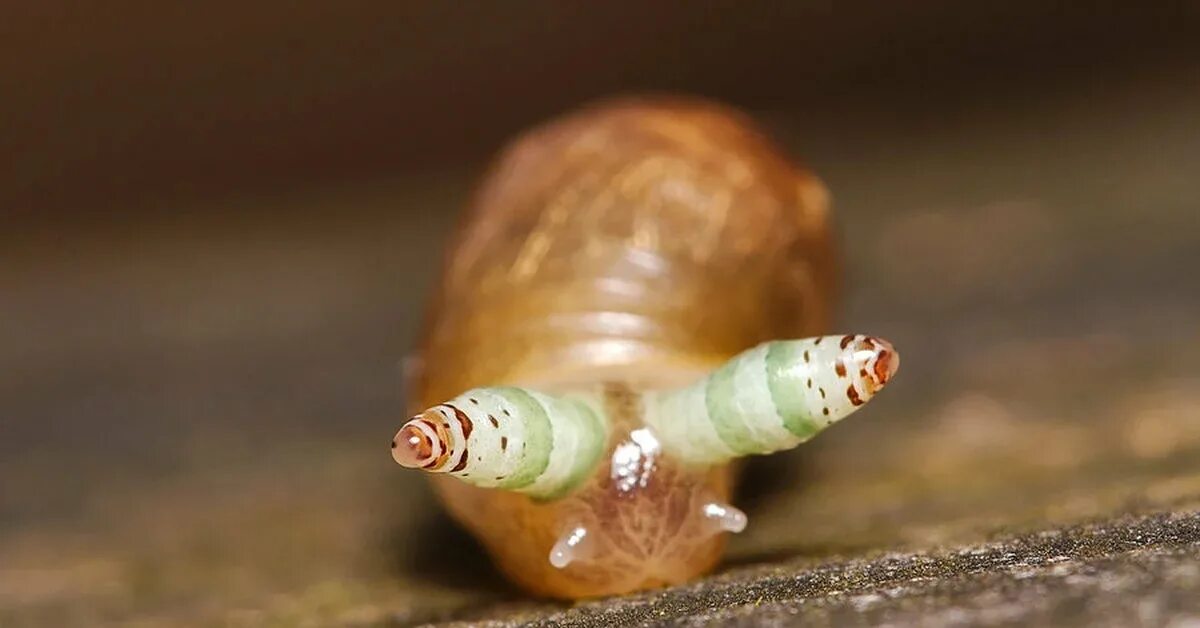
417	445
887	362
876	359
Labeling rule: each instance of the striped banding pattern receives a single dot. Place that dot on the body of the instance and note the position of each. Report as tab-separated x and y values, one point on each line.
769	398
772	397
509	438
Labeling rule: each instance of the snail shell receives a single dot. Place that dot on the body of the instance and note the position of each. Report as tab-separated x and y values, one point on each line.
611	262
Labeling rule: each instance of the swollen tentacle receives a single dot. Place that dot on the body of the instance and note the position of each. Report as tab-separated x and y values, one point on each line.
508	438
772	397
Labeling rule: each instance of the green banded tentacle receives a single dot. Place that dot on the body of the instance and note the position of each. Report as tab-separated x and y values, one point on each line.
508	438
787	388
538	436
771	397
720	405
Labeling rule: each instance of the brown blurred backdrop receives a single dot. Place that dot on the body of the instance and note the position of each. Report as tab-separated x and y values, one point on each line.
215	227
113	105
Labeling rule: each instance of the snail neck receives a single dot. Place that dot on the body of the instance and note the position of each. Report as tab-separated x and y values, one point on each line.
572	334
636	364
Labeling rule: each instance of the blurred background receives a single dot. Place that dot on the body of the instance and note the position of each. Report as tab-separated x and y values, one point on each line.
216	227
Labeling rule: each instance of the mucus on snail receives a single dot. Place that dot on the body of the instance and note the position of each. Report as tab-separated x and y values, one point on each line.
605	342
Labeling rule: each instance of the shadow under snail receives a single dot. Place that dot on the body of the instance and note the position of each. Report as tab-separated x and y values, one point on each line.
610	306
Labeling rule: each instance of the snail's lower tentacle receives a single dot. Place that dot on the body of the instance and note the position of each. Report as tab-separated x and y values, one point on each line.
576	543
725	517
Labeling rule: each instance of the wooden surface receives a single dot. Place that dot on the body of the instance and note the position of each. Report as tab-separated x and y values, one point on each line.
196	401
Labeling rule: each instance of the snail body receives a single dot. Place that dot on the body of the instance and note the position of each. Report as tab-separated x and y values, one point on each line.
602	345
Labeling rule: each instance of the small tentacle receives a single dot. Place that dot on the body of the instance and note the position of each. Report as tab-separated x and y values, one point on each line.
508	438
772	397
574	544
725	517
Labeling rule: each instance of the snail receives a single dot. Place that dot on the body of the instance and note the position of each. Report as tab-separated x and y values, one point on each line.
631	305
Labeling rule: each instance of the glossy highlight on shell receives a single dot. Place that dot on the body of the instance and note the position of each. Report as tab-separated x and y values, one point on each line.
633	302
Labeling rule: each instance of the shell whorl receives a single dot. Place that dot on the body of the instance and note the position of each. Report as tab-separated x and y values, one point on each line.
508	438
772	397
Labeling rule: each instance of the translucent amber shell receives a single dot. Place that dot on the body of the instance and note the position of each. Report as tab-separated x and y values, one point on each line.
629	246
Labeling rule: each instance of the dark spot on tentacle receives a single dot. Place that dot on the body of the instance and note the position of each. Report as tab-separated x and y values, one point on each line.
810	382
474	401
822	392
426	450
505	411
883	367
503	443
840	367
818	340
846	340
853	395
495	423
462	463
463	420
825	411
437	424
806	355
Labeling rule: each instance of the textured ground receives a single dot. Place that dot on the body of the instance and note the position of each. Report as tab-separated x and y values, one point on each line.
195	403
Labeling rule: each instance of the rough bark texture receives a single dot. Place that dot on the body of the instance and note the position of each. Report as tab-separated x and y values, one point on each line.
195	411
